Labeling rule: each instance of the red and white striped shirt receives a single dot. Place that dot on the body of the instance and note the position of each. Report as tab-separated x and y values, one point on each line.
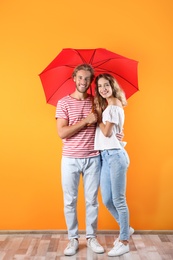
81	144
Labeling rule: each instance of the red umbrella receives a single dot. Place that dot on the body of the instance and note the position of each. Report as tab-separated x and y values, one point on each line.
57	79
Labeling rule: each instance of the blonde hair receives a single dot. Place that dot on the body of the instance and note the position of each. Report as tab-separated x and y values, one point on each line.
86	67
117	91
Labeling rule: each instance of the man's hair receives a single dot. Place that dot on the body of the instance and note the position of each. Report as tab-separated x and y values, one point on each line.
86	67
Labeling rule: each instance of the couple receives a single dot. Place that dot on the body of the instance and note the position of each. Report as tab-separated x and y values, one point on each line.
91	148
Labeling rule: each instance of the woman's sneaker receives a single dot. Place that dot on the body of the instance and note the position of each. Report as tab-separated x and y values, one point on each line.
131	231
72	247
119	249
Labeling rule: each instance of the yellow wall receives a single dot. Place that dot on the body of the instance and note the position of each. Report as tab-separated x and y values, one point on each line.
32	34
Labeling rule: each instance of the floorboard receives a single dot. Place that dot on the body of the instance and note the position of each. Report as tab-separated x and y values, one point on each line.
51	246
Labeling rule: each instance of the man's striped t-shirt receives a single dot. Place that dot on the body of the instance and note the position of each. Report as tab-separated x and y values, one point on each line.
81	144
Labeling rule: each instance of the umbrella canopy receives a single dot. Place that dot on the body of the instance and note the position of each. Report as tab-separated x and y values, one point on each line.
57	79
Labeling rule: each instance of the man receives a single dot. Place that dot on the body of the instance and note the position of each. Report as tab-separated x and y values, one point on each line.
76	124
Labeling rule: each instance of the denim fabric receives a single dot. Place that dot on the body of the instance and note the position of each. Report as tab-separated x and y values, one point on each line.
90	170
115	163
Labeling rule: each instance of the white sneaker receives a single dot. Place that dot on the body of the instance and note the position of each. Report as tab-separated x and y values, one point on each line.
72	247
94	245
131	231
119	249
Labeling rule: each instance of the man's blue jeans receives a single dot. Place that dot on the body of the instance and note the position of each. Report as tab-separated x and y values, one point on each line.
90	170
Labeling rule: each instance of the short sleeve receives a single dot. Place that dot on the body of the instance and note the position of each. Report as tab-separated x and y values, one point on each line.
111	114
61	111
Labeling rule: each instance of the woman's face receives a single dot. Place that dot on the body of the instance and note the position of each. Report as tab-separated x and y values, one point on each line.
104	88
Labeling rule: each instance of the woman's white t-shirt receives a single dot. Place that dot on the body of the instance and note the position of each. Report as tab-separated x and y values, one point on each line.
113	114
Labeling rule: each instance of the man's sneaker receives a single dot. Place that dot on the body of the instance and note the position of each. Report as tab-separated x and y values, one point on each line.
131	231
119	249
94	245
72	247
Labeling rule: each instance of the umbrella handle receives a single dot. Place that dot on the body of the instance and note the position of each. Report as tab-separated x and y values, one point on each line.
92	108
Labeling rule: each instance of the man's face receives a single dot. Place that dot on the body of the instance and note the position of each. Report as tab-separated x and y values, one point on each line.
83	80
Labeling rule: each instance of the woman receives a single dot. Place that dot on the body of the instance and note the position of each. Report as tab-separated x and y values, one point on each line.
110	100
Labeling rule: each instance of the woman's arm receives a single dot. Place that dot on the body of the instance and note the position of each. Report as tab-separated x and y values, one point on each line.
106	128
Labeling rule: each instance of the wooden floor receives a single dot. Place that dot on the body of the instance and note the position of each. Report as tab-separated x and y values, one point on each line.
51	246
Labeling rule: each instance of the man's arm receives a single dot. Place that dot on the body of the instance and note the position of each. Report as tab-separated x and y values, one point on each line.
66	131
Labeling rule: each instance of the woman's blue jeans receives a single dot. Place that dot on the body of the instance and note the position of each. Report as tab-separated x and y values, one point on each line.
115	163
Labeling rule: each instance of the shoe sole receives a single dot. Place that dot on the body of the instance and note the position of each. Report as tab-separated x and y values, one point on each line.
101	252
119	254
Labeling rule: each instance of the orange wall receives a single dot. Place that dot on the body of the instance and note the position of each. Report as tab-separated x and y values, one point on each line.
32	34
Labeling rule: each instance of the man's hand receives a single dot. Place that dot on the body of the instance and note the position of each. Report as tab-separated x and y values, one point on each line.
120	136
91	118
